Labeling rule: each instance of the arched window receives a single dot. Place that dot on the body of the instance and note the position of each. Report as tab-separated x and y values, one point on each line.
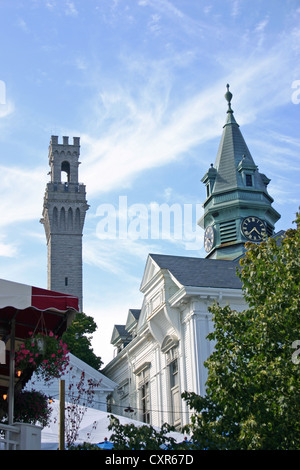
77	218
55	217
65	167
62	221
70	219
170	341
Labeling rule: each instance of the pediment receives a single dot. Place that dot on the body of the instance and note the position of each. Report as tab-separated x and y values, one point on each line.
151	269
132	319
118	334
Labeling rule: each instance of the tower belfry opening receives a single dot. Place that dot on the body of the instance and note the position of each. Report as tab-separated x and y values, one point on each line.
65	170
64	211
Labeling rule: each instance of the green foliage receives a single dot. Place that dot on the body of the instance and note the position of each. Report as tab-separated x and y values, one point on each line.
253	393
79	343
32	407
131	437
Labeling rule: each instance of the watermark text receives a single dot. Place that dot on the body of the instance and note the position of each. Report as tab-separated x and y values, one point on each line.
2	92
296	93
296	354
150	222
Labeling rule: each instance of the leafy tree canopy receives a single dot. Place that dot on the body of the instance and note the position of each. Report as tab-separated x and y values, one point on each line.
144	437
78	338
253	395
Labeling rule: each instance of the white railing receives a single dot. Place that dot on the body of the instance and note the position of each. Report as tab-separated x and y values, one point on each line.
8	437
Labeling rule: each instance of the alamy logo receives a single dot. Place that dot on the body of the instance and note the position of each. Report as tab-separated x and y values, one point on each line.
2	353
296	354
296	94
153	221
2	92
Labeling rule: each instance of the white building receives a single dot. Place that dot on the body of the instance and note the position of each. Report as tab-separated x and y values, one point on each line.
162	348
160	352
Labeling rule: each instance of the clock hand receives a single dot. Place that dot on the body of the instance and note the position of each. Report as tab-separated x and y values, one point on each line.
254	228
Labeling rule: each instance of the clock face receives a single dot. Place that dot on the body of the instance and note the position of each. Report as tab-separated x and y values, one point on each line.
253	228
209	238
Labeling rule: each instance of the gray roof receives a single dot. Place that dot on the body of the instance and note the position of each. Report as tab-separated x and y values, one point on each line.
121	329
135	312
200	272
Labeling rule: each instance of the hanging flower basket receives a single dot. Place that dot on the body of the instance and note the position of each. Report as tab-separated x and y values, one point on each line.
46	354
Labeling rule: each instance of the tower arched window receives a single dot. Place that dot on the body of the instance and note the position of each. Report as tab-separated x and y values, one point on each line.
55	217
65	168
70	219
62	219
77	218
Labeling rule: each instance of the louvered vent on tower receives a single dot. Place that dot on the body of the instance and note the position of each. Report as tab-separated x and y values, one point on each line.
228	231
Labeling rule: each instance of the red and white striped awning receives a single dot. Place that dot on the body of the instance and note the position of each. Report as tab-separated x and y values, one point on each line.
22	296
30	309
34	309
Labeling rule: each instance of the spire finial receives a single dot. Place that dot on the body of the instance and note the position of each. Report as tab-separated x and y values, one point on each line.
228	96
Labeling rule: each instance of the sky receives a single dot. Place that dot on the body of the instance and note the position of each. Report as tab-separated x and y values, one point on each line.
142	83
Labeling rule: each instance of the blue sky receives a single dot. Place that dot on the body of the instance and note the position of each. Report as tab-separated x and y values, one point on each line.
142	83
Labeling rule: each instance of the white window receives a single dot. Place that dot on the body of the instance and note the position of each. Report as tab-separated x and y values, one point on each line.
144	394
172	361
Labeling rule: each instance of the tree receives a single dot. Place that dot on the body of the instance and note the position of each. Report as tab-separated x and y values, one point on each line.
81	397
79	343
144	437
253	396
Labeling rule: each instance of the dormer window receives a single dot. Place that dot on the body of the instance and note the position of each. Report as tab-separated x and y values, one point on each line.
248	178
209	179
247	168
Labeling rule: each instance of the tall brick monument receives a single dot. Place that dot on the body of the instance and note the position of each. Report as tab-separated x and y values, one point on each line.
64	211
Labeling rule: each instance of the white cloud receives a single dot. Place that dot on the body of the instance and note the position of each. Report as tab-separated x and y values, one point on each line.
7	249
259	30
71	9
21	194
235	8
154	23
21	23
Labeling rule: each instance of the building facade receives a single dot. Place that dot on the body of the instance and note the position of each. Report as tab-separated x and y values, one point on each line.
64	210
161	349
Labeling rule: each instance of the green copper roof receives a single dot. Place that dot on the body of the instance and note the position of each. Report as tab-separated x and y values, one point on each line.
233	156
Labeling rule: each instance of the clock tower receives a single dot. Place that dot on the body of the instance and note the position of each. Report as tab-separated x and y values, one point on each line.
238	207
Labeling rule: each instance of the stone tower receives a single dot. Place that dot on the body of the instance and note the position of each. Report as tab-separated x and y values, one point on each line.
238	207
64	211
